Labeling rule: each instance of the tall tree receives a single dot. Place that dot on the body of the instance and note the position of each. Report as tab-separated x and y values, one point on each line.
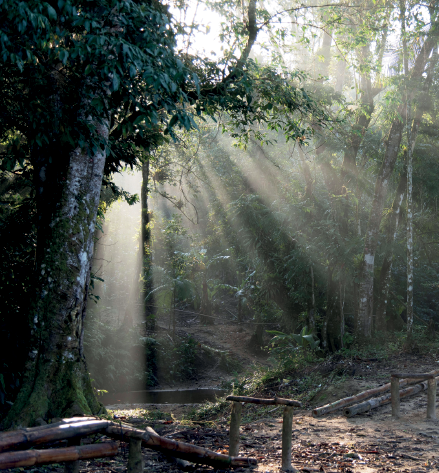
98	82
393	142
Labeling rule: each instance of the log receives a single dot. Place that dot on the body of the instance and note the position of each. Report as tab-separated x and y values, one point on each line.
186	451
235	422
56	455
181	463
25	438
347	401
68	420
257	400
381	401
413	376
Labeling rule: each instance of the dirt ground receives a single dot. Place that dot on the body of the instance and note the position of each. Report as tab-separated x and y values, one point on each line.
370	442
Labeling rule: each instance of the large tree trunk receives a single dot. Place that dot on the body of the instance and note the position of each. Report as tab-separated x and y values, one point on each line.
57	381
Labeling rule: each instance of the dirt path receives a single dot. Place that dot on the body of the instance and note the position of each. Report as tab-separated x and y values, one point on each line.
371	442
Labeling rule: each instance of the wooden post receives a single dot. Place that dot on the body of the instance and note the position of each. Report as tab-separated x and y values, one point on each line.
72	466
135	458
431	399
235	422
394	391
287	435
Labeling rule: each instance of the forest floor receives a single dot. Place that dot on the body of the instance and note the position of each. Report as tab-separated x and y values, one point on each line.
371	442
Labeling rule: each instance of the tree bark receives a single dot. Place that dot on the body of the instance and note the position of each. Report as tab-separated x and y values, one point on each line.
408	123
57	381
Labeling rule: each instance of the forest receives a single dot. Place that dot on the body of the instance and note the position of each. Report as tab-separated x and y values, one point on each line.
238	196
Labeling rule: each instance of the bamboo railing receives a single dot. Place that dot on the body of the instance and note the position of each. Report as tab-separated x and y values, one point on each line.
15	446
287	424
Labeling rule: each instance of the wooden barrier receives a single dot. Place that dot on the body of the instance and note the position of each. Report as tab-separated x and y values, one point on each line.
76	428
287	425
431	393
368	394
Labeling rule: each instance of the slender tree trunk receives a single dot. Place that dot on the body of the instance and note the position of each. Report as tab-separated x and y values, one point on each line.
386	268
365	290
365	294
145	235
409	176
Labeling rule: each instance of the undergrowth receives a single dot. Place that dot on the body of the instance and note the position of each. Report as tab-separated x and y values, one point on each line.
303	375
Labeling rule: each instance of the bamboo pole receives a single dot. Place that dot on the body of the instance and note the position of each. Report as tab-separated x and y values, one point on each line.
347	401
413	376
394	395
381	401
431	399
256	400
25	438
235	422
56	455
68	420
287	436
179	449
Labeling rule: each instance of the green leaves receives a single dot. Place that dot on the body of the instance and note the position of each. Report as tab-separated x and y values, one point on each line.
51	12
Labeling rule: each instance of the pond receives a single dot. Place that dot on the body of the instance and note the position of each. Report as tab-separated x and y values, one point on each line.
176	396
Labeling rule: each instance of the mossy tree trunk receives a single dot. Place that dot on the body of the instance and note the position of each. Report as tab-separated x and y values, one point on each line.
57	381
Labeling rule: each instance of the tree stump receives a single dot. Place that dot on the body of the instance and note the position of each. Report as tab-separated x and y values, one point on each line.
135	458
